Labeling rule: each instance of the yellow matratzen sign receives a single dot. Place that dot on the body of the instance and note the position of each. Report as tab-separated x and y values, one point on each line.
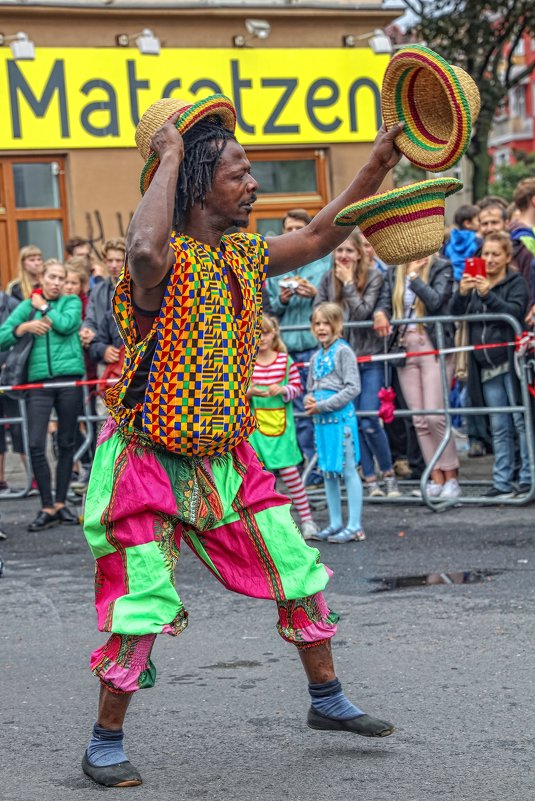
93	97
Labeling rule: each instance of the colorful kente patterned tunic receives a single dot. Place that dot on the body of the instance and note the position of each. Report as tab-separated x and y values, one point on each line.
195	402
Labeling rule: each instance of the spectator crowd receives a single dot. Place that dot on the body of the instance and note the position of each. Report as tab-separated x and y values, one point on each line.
63	309
307	363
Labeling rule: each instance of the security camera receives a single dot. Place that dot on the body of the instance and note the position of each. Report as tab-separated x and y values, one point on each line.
258	27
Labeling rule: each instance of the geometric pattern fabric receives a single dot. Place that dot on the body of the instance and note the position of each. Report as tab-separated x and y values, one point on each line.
195	401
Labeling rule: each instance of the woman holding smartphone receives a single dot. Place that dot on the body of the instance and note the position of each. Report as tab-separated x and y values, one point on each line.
423	288
501	291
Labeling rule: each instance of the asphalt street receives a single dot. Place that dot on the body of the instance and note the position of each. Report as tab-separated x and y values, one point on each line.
436	635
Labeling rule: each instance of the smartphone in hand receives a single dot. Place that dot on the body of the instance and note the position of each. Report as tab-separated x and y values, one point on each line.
475	266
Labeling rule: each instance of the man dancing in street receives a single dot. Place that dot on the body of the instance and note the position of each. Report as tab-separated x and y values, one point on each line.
173	461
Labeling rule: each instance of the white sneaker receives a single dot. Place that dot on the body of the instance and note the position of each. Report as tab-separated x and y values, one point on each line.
451	489
308	529
374	490
435	490
391	485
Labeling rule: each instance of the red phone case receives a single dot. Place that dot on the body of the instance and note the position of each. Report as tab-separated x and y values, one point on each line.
475	266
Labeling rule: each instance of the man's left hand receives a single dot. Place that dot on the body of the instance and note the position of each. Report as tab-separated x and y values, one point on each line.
384	150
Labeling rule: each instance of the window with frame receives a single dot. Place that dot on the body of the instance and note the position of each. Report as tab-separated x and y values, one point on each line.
287	179
33	208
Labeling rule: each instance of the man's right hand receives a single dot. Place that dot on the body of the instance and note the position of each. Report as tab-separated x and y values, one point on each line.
111	355
167	138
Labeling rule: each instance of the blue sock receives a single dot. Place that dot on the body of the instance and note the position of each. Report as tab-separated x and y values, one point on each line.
106	747
328	699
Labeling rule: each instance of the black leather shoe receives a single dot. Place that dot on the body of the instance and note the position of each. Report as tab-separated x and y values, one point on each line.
362	724
65	516
43	520
123	774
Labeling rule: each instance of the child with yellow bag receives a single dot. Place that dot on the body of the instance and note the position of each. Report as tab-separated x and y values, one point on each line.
274	385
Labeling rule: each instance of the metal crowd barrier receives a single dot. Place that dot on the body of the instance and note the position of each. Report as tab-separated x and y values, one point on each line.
91	420
88	418
436	504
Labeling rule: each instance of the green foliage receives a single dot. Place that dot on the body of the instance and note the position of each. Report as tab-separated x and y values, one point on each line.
509	175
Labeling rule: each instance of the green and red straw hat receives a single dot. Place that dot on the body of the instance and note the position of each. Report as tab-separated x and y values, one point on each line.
438	102
160	111
403	224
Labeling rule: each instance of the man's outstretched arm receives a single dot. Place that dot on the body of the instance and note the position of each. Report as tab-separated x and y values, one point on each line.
320	237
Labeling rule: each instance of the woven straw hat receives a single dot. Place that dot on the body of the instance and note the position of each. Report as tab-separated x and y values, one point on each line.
403	224
157	114
439	104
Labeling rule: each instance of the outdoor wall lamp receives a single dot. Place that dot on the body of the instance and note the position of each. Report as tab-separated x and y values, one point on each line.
256	28
146	42
379	41
22	47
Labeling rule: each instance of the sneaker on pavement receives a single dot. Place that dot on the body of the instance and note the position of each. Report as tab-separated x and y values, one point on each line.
522	490
498	494
434	490
347	535
391	486
374	490
451	489
308	529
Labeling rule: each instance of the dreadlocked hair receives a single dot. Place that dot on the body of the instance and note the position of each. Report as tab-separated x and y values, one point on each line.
203	145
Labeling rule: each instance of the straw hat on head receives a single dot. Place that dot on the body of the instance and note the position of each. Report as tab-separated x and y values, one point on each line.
156	115
403	224
438	103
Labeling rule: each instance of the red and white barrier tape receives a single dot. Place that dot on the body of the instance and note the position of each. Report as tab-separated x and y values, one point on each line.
521	344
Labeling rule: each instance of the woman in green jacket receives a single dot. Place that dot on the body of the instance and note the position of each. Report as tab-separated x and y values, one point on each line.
56	356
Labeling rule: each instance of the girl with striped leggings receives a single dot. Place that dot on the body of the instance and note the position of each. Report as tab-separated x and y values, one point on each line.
274	385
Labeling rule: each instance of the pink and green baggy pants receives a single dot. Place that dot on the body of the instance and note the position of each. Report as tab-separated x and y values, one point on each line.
142	501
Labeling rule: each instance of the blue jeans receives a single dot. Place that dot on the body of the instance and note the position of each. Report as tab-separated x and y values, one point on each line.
353	487
304	425
372	436
499	391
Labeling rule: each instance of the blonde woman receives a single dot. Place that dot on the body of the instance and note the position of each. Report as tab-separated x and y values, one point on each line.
29	272
423	288
355	285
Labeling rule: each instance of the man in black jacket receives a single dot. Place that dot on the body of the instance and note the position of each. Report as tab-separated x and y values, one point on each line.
100	331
